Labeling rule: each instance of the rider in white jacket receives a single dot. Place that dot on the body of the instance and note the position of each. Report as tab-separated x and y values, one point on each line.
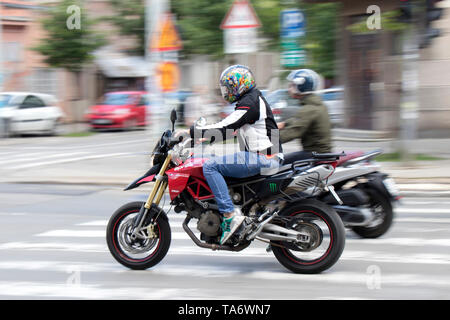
258	139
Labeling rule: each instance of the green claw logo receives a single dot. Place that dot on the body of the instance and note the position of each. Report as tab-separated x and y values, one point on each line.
273	187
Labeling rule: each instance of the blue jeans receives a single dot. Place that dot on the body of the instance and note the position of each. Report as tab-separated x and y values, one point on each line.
239	165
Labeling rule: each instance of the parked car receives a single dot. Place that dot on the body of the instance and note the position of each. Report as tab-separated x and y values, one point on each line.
334	100
284	107
119	110
29	112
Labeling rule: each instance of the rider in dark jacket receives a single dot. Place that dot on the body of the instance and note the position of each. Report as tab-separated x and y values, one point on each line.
311	124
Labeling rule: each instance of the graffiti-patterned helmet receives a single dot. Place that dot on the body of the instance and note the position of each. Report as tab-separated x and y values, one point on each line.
235	81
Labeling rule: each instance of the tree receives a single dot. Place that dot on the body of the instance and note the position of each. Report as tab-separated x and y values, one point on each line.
69	39
199	22
130	20
320	39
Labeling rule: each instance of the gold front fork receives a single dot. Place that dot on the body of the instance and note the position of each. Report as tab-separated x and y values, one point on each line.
160	185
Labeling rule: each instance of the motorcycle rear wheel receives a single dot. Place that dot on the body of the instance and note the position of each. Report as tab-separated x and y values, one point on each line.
137	254
322	255
382	208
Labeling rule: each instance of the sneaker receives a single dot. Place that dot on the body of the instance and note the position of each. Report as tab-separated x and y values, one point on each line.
229	226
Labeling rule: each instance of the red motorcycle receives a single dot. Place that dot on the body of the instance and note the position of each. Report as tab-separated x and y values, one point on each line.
304	234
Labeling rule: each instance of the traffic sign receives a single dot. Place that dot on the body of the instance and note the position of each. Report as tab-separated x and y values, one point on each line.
293	58
241	15
239	25
168	76
167	39
292	23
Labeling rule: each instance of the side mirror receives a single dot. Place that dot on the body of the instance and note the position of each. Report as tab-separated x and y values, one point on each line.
173	118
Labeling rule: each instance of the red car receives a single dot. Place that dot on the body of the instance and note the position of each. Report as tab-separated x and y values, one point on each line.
120	109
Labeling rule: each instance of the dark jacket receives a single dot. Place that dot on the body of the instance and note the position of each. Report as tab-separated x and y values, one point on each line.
311	125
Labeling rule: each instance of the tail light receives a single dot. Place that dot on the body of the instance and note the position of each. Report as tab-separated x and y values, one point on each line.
276	111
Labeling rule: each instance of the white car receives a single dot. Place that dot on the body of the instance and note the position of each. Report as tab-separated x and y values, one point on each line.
27	112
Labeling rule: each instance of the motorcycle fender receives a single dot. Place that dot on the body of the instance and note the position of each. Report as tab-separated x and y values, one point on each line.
147	177
376	182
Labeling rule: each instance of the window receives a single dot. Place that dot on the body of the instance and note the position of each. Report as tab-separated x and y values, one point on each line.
116	99
13	52
32	102
143	100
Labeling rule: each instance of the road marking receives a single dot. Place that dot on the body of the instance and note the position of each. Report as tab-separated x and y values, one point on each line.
73	234
252	252
272	272
423	220
18	156
66	233
54	246
33	159
422	210
91	157
89	291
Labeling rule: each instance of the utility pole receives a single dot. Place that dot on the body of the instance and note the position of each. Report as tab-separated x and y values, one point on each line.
410	83
2	77
154	10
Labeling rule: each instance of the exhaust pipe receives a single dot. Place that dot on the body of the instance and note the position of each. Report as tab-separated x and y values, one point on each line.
211	246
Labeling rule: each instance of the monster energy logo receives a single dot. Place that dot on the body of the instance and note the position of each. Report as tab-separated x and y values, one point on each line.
273	187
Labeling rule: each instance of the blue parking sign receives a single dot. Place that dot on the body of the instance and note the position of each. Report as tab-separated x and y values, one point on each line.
293	23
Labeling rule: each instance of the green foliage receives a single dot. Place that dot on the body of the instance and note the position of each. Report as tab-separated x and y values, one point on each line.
199	23
65	48
397	156
129	18
389	22
321	36
268	12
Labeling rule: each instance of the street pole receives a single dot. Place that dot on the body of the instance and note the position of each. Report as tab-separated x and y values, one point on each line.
2	121
1	51
410	83
154	11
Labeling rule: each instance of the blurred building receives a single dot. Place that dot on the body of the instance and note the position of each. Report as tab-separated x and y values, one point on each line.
370	69
23	69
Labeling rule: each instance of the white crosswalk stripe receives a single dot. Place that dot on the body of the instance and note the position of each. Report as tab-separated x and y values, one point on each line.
23	159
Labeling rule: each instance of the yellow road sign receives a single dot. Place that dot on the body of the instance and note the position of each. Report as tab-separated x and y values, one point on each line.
167	38
169	76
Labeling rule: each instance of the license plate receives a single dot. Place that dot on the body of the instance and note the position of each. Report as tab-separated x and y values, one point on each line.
101	121
391	186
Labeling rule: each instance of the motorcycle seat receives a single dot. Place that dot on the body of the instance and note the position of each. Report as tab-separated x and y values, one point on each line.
349	156
285	165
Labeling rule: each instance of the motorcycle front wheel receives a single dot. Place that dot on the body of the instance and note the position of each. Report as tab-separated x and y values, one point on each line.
144	251
326	238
